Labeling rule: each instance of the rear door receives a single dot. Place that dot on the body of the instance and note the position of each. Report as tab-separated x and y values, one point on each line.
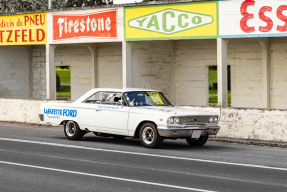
88	111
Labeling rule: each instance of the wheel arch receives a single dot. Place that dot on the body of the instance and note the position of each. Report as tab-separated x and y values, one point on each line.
63	122
137	132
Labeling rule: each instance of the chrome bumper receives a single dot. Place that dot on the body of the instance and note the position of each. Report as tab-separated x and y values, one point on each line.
180	131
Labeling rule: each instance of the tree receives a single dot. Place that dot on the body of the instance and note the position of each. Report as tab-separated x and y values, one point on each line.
79	3
23	5
42	5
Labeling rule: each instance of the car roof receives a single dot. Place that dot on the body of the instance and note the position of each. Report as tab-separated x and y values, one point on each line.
92	91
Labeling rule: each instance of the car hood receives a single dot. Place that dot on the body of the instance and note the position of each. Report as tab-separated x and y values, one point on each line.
169	111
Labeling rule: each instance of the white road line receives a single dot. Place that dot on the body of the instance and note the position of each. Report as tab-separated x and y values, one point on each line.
145	154
106	177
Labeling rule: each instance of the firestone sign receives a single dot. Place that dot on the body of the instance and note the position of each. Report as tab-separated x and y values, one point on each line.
101	24
179	21
26	29
253	18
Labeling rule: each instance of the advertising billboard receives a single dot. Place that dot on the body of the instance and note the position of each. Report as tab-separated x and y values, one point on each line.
98	25
253	18
25	29
194	20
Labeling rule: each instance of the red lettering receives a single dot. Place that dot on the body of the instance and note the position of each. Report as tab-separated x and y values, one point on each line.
23	35
44	19
30	36
246	16
1	36
26	19
32	20
16	35
282	17
266	19
38	34
37	20
9	36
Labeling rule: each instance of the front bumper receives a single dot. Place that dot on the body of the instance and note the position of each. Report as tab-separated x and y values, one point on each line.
177	132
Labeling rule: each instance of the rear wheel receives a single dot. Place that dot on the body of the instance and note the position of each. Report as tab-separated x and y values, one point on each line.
149	136
72	131
197	142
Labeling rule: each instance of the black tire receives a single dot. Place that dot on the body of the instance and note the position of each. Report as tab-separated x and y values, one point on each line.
119	137
72	131
149	136
197	142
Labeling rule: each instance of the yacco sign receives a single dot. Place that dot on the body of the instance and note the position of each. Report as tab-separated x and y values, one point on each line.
101	24
23	29
176	21
253	18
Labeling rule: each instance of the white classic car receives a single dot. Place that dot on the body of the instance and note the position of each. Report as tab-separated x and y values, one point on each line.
139	113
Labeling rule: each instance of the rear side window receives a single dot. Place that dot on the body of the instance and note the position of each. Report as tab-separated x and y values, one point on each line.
113	98
95	99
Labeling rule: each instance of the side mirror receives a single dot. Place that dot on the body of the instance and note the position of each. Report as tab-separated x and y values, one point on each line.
174	104
120	102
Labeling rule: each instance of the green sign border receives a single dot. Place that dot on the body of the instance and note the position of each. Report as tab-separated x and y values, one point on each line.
172	38
173	10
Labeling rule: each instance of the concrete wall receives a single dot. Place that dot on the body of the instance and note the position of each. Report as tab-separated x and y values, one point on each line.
278	73
153	65
18	110
79	59
39	72
109	61
245	58
255	124
192	58
14	72
110	65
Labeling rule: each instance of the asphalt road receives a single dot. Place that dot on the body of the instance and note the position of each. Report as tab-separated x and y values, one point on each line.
38	158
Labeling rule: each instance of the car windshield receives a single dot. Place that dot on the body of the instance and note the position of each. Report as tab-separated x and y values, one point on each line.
144	98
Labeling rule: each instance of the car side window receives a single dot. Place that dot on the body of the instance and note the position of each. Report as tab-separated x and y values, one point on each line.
95	99
113	98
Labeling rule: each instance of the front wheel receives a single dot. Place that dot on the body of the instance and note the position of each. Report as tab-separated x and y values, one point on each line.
197	142
72	131
149	136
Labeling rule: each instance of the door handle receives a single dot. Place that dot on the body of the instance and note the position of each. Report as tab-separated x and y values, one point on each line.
98	110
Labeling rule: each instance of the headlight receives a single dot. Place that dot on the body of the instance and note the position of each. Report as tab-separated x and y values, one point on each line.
211	119
176	120
170	120
215	119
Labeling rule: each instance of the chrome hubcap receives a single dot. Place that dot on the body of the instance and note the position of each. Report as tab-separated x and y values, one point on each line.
70	128
148	135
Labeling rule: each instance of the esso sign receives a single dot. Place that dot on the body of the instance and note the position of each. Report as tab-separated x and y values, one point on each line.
272	17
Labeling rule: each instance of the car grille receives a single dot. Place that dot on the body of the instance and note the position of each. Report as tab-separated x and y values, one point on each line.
194	120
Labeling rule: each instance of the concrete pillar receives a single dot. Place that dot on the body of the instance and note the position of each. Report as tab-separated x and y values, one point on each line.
266	72
127	64
222	72
29	49
50	72
50	4
174	76
94	65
